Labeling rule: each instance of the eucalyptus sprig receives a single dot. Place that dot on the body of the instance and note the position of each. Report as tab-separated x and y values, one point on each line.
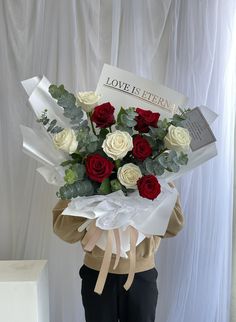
49	125
68	102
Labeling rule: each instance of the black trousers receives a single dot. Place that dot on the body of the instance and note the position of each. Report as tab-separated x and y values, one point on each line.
138	304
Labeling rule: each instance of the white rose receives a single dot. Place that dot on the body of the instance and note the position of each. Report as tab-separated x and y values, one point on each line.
117	144
177	138
66	140
87	100
128	175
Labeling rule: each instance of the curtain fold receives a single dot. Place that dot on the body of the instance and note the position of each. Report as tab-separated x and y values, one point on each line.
184	44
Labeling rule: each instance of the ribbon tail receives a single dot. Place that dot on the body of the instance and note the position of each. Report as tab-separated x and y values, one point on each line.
84	225
118	247
93	240
105	265
133	241
89	234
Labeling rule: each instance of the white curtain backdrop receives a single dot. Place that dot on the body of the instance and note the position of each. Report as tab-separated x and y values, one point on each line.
184	44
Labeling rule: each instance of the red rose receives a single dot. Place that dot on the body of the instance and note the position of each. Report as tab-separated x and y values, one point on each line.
142	148
145	118
103	115
98	168
149	187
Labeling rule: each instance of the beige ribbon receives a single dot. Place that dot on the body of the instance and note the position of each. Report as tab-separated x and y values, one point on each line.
89	241
93	240
117	240
132	253
105	265
89	234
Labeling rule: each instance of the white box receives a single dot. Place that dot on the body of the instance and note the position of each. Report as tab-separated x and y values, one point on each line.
24	291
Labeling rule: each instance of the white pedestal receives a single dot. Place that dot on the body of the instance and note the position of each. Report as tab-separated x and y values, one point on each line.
24	291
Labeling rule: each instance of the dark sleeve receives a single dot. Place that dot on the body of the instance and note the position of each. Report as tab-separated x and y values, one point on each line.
66	227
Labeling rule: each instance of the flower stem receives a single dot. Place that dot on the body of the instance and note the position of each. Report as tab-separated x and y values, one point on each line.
118	163
92	125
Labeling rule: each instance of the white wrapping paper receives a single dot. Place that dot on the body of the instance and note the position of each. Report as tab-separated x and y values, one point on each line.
118	211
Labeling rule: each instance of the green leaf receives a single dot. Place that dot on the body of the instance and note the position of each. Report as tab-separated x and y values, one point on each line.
70	176
67	162
115	185
103	133
121	112
105	187
77	156
118	163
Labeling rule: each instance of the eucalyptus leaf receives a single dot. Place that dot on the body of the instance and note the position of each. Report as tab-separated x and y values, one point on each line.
124	129
80	171
153	131
66	100
174	167
163	159
92	147
84	188
161	133
172	154
158	168
51	125
78	188
55	91
148	164
45	121
56	129
66	192
182	159
131	111
130	123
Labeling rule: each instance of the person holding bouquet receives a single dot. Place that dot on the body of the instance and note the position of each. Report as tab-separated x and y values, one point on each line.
138	304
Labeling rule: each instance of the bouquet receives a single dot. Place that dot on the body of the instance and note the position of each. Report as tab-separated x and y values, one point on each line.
105	153
113	163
